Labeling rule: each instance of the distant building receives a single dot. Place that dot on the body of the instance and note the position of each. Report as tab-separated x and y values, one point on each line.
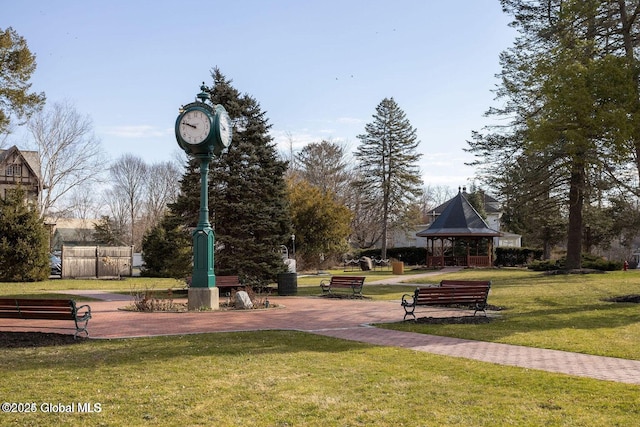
410	238
20	168
493	213
72	232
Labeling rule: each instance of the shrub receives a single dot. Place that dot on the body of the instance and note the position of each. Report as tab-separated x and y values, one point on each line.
546	265
589	261
409	255
517	256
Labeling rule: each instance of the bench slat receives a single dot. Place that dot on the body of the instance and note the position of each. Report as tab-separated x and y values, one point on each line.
46	309
471	293
226	281
40	315
34	302
355	283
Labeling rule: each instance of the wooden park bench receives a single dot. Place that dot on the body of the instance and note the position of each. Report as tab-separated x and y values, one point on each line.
46	309
472	295
355	283
226	284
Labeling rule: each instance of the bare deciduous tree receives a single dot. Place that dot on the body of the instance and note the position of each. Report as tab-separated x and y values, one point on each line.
325	165
162	189
432	197
128	176
117	205
70	155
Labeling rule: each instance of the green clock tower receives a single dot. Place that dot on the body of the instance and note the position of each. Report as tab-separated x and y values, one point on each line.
203	131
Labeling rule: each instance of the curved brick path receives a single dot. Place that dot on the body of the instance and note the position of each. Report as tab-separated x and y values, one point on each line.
339	318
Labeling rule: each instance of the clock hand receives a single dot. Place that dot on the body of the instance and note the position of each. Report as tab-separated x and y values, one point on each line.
190	125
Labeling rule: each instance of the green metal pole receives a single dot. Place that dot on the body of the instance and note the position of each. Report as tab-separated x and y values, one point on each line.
203	236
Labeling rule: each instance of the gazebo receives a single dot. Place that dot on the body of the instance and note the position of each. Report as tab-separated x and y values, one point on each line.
459	237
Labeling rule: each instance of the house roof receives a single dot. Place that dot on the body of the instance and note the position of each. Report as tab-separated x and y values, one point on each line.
31	158
459	219
72	223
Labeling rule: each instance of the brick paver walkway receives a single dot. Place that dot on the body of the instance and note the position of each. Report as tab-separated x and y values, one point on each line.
339	318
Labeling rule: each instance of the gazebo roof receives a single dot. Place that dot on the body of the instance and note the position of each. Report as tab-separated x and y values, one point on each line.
490	203
459	219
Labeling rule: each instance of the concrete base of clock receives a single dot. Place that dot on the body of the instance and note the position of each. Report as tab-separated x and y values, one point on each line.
204	299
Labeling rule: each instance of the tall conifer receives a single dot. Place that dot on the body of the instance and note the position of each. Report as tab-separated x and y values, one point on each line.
248	192
248	204
388	174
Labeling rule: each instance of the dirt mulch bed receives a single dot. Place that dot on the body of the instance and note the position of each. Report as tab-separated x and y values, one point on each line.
625	298
36	339
461	320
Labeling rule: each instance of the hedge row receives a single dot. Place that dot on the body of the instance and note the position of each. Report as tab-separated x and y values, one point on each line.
408	255
511	257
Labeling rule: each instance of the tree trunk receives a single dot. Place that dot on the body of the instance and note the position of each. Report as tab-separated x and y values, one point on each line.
576	201
627	29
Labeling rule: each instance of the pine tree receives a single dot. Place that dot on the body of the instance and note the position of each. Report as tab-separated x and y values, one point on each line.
106	232
24	241
569	84
247	196
17	64
248	192
167	249
388	175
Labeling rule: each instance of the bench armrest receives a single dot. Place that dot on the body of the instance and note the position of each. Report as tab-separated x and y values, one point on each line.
405	300
86	314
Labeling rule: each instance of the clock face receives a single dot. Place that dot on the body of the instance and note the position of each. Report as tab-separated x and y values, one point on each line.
224	126
194	126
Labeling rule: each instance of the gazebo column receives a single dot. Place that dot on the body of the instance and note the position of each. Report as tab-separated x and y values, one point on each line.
490	247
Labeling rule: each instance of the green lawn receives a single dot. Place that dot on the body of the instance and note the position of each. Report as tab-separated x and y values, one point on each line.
126	284
287	378
284	378
564	312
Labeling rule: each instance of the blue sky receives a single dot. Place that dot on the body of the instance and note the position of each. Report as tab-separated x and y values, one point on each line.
318	68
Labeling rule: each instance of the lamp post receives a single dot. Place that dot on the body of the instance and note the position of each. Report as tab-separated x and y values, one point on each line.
203	131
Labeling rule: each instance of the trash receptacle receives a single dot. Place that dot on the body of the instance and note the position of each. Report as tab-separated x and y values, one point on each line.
287	284
365	263
397	267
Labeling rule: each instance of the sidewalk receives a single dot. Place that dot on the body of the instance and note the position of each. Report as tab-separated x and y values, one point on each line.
340	318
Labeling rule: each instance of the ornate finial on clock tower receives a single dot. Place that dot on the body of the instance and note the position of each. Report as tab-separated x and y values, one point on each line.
204	95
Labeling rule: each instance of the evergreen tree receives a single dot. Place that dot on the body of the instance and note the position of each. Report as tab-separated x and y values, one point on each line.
568	88
247	195
17	64
167	249
106	232
24	241
388	176
248	192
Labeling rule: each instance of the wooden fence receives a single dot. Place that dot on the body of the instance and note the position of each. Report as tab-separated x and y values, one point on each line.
97	261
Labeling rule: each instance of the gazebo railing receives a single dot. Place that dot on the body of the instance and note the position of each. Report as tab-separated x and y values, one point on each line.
479	261
460	261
